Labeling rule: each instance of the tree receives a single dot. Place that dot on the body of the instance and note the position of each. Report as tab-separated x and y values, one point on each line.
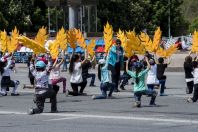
194	25
141	14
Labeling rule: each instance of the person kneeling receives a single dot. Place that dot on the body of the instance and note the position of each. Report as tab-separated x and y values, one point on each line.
104	77
42	89
139	85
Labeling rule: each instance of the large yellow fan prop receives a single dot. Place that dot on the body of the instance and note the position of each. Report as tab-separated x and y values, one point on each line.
157	39
146	41
151	46
71	38
166	53
108	36
29	43
80	39
54	49
61	39
4	41
134	44
90	47
41	36
13	42
194	48
60	43
122	37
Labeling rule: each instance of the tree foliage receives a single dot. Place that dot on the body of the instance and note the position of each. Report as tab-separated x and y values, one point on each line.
141	14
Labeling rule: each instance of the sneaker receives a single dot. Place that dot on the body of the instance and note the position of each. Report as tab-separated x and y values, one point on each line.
189	100
30	111
15	94
163	94
24	86
67	93
137	104
93	97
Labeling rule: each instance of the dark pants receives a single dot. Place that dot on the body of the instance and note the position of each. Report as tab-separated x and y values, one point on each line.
40	100
195	95
92	76
104	87
162	86
124	80
150	93
75	88
189	88
115	74
150	86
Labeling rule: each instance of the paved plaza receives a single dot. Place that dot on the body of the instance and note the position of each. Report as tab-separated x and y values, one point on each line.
82	114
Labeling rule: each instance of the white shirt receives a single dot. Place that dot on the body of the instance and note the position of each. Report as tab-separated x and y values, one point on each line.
7	70
76	76
195	74
41	78
55	73
151	78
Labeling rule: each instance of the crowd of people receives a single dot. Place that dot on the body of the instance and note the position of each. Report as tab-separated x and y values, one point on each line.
147	74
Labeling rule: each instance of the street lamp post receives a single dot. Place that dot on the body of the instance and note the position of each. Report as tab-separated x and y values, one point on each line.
169	20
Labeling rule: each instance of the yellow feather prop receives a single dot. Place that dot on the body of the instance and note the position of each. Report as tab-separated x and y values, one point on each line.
13	43
121	35
29	43
108	36
146	41
4	40
71	38
194	48
134	44
157	39
80	39
41	36
54	49
61	38
90	47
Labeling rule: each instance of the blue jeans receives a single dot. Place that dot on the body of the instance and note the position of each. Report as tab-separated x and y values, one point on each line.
104	87
92	76
162	85
150	86
65	66
149	92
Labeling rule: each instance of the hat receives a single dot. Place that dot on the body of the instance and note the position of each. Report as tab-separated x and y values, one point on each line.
40	64
101	61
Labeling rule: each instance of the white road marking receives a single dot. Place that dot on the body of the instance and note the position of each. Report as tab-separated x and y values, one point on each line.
59	119
139	118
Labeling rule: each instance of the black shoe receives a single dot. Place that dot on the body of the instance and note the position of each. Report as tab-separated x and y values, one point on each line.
82	94
122	87
15	94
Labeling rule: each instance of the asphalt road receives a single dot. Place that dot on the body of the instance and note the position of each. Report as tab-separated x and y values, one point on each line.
82	114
